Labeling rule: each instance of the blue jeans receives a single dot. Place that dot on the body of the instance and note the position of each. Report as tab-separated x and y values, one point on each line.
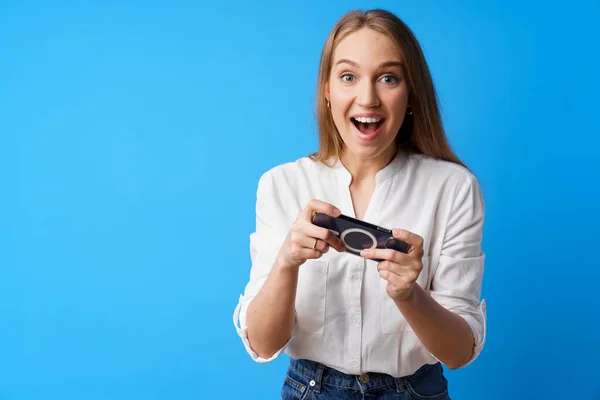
307	380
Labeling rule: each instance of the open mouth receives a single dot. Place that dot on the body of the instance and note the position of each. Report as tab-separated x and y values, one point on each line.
367	126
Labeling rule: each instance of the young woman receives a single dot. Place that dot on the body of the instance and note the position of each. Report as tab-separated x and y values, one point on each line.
354	327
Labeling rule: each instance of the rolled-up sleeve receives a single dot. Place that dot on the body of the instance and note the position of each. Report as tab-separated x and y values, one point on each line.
265	242
457	280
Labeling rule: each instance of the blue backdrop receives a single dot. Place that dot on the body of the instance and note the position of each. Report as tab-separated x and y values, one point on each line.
132	137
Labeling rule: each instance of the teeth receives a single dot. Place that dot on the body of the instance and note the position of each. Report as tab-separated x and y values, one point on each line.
367	120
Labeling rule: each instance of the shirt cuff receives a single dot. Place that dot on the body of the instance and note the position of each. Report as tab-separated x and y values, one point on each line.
478	327
242	331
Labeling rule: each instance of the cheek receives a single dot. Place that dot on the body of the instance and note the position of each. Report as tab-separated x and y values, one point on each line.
341	101
397	100
396	106
339	119
340	95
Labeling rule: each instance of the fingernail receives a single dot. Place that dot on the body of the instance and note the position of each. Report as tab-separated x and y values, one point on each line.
364	253
337	212
396	231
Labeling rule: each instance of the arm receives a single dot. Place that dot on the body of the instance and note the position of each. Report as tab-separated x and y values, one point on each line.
458	276
445	334
450	319
267	309
271	313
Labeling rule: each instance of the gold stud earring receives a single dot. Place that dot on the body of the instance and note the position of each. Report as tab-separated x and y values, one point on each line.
328	104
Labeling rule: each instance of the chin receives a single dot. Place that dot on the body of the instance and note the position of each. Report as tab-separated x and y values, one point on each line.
367	151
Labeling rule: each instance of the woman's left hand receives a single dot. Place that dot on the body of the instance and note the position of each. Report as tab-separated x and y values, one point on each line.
400	270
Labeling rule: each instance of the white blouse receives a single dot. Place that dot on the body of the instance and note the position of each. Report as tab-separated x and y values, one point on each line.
344	318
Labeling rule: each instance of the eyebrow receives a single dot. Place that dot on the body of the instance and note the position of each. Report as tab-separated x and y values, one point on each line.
382	65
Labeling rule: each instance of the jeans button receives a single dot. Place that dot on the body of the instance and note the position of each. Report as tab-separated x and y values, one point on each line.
312	383
364	378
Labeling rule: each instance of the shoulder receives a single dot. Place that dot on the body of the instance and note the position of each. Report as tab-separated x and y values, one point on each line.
441	172
292	173
284	189
291	177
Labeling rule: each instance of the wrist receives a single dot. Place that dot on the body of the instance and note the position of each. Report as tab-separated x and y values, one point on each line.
409	297
285	267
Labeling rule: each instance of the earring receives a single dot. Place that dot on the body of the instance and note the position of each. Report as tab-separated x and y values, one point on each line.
410	112
328	104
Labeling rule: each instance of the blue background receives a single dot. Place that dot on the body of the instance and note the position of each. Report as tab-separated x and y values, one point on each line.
132	137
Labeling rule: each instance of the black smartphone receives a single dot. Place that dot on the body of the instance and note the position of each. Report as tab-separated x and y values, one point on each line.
358	235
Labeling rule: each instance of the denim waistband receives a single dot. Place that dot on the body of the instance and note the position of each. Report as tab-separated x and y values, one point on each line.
320	374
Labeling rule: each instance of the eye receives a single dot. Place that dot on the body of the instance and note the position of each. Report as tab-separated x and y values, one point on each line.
348	78
390	79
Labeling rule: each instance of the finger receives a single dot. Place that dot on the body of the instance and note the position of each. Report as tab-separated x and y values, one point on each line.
398	274
320	206
392	278
393	268
324	234
311	254
390	267
314	244
387	275
388	254
391	272
415	241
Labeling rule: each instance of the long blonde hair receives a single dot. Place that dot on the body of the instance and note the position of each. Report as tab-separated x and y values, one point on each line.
423	131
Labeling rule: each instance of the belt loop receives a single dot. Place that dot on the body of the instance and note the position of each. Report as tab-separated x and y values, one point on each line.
319	377
400	384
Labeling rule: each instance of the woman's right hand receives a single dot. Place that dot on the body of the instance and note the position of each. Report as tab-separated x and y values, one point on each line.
306	240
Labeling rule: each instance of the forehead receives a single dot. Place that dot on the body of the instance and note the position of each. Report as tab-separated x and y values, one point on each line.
367	47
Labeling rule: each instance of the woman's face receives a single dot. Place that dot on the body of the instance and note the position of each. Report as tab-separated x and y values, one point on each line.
367	92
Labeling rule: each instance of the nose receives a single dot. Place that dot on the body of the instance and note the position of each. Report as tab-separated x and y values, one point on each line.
367	94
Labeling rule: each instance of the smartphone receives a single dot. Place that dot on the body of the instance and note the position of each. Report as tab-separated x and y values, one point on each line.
358	235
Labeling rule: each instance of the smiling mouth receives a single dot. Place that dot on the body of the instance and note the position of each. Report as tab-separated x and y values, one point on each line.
367	128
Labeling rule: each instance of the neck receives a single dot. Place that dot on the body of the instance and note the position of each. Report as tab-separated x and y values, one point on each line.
363	169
